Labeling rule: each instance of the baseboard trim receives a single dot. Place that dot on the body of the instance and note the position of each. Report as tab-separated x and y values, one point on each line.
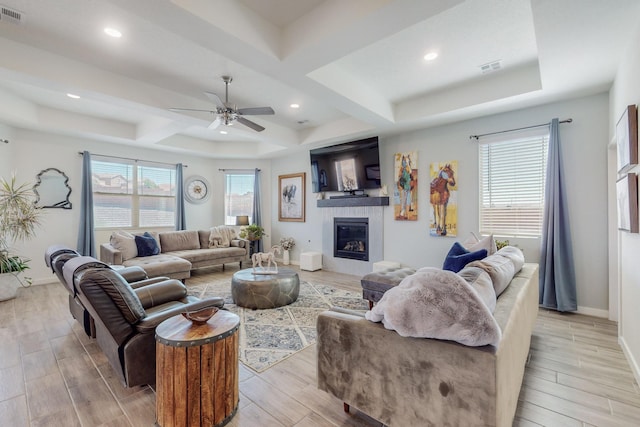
632	361
596	312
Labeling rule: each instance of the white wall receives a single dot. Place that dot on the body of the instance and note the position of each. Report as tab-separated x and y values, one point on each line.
584	148
626	91
32	151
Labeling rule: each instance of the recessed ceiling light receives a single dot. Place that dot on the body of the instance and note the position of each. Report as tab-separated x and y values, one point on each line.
70	95
431	56
294	105
112	32
224	132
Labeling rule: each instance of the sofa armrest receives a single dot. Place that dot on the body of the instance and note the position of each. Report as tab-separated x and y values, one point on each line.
149	323
158	293
151	281
110	255
239	243
133	273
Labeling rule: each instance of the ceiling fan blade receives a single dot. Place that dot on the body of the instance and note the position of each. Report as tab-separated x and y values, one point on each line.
214	124
256	111
250	124
180	110
215	99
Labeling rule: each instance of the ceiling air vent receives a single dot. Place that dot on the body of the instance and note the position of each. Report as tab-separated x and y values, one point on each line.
11	15
490	67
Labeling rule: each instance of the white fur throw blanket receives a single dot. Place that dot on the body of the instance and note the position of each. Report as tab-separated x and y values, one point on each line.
434	303
221	236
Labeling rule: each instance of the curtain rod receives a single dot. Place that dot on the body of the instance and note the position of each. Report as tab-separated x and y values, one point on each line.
135	160
477	137
239	170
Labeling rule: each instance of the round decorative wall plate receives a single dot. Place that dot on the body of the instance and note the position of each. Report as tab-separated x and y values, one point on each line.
196	189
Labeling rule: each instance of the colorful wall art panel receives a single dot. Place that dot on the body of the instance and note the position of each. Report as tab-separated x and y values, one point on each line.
405	194
443	198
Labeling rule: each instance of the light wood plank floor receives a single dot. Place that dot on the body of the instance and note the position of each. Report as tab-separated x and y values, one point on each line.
51	374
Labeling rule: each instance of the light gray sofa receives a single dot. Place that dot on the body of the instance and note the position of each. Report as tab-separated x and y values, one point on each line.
180	253
403	381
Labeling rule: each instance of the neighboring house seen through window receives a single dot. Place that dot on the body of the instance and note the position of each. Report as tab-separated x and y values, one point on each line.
512	181
130	194
238	196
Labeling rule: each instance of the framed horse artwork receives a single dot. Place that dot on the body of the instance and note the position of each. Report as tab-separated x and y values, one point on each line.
443	197
406	188
292	198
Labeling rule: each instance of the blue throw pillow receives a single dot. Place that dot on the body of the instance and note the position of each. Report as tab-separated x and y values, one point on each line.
458	257
147	245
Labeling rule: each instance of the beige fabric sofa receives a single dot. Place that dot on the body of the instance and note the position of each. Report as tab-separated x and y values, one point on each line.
180	253
417	381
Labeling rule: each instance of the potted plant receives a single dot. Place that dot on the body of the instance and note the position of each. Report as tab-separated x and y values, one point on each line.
19	218
252	232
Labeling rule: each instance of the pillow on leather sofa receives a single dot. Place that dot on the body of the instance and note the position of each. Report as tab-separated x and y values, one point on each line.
147	245
458	257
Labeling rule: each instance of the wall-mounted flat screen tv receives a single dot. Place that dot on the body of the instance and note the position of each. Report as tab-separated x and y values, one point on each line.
346	167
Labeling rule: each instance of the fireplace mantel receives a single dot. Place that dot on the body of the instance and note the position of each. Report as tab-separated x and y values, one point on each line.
353	201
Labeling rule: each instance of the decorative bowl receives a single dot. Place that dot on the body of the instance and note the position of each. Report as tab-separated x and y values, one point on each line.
200	317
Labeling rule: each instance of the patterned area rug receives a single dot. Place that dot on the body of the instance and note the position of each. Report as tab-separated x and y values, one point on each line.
270	336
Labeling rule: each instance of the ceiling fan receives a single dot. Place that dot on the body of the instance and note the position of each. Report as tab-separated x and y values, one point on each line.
226	113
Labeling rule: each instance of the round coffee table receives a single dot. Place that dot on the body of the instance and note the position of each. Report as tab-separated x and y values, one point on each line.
265	290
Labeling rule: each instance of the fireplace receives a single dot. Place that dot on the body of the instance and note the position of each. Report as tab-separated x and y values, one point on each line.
351	238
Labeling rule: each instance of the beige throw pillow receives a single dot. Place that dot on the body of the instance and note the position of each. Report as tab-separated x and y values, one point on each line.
125	243
473	244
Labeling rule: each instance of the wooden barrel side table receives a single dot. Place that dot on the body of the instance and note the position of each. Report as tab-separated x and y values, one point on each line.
197	371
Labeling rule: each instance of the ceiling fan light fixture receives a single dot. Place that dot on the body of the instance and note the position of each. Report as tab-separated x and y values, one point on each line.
294	105
431	56
112	32
226	112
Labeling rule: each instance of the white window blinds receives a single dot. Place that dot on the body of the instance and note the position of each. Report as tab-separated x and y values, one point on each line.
512	181
129	194
238	196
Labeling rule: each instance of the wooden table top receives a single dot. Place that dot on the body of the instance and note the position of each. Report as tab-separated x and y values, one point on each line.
180	332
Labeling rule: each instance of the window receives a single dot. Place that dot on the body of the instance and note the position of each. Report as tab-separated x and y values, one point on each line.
238	196
130	194
512	180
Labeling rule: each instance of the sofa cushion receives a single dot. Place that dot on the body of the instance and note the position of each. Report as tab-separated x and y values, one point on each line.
203	255
179	240
482	284
458	257
147	245
499	268
125	243
161	265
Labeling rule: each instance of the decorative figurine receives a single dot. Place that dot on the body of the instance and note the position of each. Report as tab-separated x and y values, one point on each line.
259	257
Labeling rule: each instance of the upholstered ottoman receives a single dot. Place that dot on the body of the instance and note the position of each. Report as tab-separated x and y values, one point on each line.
375	284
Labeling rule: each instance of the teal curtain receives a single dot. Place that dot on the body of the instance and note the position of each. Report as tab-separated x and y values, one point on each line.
181	222
557	271
86	237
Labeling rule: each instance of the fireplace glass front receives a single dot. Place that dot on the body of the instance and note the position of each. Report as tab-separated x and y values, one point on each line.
351	238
